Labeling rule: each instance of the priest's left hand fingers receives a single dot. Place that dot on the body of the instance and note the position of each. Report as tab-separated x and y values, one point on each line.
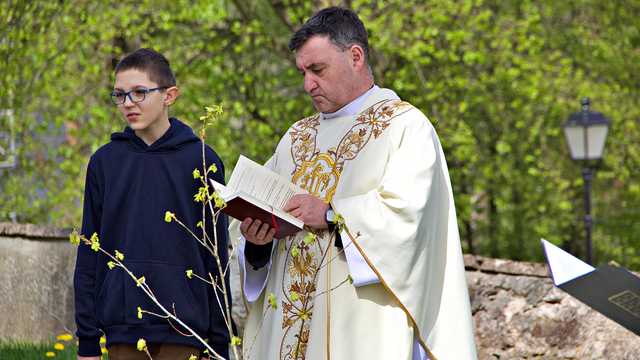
297	212
308	208
293	203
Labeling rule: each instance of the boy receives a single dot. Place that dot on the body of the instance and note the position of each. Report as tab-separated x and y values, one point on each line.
132	181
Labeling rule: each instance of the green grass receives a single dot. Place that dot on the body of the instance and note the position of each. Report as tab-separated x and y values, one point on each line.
27	351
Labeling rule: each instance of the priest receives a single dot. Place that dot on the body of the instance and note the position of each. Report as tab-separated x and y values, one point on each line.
378	271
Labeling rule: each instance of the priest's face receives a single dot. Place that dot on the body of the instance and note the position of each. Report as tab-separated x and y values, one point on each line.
331	75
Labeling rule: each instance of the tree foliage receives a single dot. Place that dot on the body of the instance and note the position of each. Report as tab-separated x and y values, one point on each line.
497	78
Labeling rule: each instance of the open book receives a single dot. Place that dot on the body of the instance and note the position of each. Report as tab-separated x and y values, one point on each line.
256	192
611	290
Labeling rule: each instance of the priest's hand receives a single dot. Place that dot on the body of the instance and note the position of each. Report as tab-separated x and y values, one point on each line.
308	208
254	231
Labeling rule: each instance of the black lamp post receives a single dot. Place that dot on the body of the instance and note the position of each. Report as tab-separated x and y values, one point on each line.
586	132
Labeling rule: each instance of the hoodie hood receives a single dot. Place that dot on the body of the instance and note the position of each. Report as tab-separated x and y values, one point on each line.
178	135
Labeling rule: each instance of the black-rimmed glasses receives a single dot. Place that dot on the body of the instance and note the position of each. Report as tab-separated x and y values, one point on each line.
136	95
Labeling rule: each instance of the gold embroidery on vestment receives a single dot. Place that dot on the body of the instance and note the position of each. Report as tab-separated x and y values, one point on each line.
319	176
319	173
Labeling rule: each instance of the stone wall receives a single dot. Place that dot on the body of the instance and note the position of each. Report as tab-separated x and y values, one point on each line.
36	267
518	314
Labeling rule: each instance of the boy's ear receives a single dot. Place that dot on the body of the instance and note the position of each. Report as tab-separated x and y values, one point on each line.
171	95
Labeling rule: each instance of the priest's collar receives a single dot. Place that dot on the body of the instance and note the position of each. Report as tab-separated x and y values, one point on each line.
351	108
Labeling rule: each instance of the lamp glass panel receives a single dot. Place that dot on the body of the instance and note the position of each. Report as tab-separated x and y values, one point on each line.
575	139
596	135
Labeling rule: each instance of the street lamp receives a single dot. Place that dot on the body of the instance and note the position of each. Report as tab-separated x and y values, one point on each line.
586	132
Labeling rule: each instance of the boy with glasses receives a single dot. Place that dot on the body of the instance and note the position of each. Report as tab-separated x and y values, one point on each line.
131	182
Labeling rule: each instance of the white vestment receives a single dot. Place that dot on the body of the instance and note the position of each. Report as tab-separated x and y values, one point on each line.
384	172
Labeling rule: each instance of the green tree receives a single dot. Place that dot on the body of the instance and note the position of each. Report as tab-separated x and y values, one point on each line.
497	78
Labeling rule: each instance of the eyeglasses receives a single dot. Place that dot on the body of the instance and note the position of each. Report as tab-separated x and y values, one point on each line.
136	95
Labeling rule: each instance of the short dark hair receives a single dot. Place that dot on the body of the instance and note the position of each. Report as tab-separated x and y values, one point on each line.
343	27
150	61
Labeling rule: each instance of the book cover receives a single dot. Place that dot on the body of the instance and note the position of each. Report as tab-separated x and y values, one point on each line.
241	206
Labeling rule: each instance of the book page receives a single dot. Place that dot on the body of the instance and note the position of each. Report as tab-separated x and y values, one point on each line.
262	183
224	191
564	266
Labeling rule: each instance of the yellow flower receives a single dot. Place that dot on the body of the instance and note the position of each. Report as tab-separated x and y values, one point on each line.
309	238
213	111
58	346
272	300
196	174
193	357
339	221
50	354
74	237
189	273
111	265
65	337
119	255
168	216
218	201
140	281
294	251
200	196
294	296
95	242
139	312
235	341
212	168
199	224
103	340
104	350
141	345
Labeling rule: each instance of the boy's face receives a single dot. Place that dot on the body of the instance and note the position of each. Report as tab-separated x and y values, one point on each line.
150	114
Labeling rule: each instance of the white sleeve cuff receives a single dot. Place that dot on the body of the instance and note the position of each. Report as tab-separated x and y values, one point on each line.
254	281
360	271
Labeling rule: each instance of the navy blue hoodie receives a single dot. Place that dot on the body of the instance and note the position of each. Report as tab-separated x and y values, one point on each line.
129	187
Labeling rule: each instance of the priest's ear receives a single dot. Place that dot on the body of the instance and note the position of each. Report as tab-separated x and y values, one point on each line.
357	57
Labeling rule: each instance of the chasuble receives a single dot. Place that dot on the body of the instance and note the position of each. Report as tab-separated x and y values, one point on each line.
396	289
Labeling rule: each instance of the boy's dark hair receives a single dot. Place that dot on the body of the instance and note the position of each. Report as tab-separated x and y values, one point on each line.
150	61
343	27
